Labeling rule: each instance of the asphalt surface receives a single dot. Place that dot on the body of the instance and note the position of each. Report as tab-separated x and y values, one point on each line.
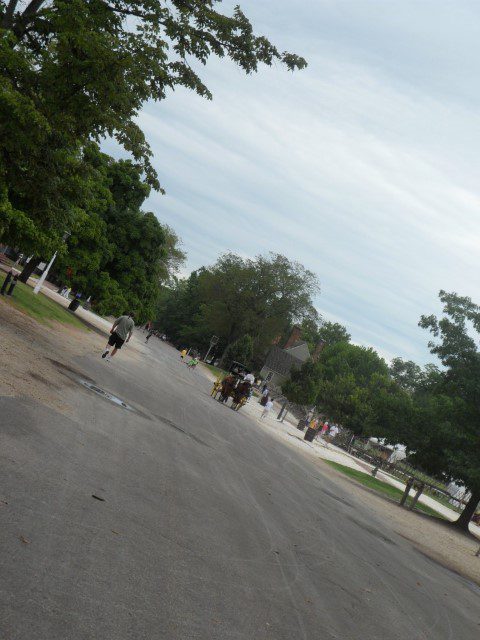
208	529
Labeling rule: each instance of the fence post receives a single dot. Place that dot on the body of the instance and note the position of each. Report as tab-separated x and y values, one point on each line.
420	489
282	410
350	444
406	492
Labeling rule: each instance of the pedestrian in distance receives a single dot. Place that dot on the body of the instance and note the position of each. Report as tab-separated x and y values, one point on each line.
6	282
150	334
13	284
267	408
121	332
183	353
193	363
265	396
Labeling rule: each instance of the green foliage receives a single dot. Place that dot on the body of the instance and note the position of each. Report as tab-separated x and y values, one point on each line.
73	71
333	332
447	407
117	254
303	385
241	351
352	385
328	332
358	392
237	297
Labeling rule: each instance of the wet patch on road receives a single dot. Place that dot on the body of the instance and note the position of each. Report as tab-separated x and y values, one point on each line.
39	378
172	424
332	495
373	531
68	370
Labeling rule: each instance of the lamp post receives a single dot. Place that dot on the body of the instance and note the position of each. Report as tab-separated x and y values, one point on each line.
213	341
41	280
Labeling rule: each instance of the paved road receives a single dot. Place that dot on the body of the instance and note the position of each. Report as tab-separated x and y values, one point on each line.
209	529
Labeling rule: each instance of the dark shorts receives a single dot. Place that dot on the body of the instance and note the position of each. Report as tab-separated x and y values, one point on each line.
116	341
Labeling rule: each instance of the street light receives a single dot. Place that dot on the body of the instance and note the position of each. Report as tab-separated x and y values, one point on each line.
213	341
41	280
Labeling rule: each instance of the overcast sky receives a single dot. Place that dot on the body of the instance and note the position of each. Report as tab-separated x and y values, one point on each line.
364	167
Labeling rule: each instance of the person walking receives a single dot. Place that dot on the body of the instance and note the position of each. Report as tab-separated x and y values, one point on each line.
183	353
121	332
6	282
193	363
266	408
265	397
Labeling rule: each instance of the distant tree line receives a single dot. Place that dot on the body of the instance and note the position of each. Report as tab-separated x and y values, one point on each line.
247	303
433	410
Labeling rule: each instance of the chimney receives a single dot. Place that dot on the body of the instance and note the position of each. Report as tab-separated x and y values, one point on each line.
294	336
318	350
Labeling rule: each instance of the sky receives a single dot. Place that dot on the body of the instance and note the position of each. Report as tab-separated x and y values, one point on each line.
363	167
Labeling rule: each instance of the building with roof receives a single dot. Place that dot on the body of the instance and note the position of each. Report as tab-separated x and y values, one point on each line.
281	361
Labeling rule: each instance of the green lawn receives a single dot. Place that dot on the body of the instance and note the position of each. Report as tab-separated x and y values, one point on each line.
39	306
219	373
381	487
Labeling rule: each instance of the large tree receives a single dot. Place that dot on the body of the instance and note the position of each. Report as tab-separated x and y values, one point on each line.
76	70
453	407
356	389
327	332
258	297
303	384
352	385
118	254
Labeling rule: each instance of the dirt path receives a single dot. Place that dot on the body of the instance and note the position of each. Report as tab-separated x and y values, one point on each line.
29	352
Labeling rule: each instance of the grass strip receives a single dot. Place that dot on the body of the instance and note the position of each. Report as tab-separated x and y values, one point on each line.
39	306
219	373
381	487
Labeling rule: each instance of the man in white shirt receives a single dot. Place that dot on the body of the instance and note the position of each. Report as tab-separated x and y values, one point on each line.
249	377
266	408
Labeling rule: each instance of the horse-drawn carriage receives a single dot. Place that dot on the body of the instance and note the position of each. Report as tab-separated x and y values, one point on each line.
233	386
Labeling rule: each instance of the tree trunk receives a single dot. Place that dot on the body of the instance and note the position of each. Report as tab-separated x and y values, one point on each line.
28	269
468	511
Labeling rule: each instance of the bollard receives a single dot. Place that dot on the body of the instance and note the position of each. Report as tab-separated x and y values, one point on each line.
420	487
406	492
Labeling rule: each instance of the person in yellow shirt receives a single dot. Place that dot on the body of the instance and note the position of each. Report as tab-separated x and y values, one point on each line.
183	353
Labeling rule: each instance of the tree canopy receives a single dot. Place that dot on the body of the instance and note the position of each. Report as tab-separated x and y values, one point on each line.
314	331
352	386
303	384
240	351
259	297
445	437
73	71
117	253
